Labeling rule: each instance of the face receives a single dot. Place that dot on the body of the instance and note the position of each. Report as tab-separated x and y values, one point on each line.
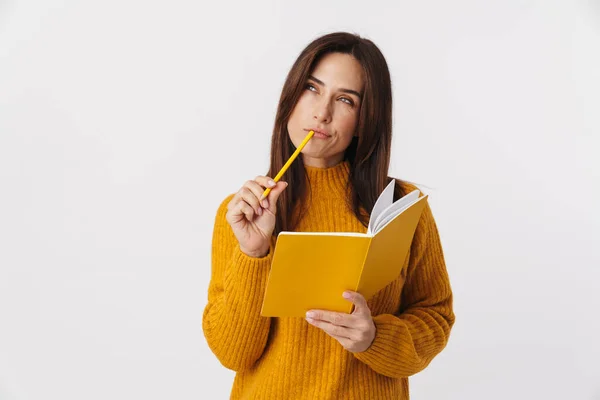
329	105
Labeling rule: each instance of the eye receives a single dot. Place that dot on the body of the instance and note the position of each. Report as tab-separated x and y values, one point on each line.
311	87
347	101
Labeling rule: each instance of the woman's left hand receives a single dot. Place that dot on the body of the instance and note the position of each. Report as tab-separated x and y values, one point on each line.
354	331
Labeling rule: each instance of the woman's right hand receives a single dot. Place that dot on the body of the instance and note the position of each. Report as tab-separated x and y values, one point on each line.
252	222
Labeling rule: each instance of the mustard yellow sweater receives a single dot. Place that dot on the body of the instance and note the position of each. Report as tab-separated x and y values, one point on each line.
287	358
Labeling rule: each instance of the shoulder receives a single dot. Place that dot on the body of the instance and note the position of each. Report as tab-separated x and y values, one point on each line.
222	229
225	202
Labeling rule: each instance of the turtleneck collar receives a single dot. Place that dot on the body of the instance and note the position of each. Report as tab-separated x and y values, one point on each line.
330	181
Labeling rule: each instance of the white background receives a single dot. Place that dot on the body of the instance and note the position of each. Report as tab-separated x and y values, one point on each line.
123	124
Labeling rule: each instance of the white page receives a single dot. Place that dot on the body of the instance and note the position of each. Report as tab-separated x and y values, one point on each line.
395	209
385	199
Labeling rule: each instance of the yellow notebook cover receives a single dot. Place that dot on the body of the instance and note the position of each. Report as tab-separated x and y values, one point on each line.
311	270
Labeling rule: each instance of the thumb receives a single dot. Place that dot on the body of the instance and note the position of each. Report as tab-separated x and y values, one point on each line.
360	303
274	195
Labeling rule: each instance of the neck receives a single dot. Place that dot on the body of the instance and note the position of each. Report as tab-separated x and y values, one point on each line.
322	162
330	181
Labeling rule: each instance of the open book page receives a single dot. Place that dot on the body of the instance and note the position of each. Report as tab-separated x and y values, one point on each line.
393	210
388	249
385	199
384	211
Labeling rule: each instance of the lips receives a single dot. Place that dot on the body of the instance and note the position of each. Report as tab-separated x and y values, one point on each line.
319	133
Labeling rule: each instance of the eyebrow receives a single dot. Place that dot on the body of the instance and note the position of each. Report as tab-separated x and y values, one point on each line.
350	91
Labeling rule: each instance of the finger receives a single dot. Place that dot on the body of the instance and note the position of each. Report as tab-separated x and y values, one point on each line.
245	209
265	182
238	208
274	195
257	188
247	195
345	342
360	303
330	329
335	318
235	209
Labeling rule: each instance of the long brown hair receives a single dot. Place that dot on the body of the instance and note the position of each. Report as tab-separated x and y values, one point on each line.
368	154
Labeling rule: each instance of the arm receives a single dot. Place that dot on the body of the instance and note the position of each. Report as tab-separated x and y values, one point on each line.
232	325
405	343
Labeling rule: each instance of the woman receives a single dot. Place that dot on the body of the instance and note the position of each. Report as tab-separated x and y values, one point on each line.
339	87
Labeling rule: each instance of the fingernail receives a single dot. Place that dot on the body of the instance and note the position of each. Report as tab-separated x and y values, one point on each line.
346	295
272	182
265	203
310	314
259	211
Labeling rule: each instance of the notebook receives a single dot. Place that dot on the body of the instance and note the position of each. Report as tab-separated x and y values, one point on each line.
311	270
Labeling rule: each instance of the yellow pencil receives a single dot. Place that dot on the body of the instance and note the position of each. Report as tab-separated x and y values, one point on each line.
289	162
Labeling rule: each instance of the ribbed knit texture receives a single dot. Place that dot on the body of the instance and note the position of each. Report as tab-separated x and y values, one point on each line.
287	358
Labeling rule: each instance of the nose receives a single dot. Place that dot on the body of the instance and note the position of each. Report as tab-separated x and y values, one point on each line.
322	111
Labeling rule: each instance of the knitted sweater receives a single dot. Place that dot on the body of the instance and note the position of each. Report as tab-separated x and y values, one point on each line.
287	358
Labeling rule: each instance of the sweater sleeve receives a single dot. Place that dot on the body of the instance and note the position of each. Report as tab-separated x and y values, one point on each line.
406	342
233	327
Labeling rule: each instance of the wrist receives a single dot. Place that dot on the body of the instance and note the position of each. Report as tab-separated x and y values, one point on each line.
256	254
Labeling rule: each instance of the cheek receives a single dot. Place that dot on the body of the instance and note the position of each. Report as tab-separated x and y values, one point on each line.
304	104
347	122
298	112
